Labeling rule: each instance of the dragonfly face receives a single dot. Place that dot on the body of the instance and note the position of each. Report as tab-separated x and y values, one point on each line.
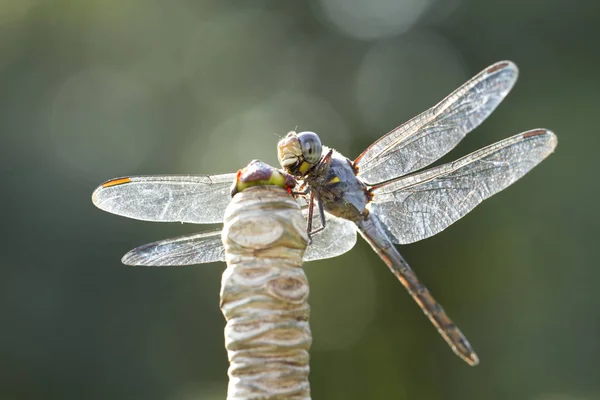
383	194
297	153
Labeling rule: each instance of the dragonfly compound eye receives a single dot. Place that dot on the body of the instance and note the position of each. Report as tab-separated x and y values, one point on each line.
311	146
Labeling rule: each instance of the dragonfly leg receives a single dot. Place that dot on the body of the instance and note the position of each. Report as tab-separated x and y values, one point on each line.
322	165
303	189
326	158
301	192
321	215
311	207
314	233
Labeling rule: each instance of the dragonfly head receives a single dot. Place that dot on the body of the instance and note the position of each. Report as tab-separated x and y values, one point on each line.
299	152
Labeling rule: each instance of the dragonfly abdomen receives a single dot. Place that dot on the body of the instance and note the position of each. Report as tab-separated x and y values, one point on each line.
372	230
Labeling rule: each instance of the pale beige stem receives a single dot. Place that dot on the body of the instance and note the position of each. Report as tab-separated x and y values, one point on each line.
264	294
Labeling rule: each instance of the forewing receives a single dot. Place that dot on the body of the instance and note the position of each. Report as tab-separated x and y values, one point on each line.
167	198
338	237
185	250
428	136
420	205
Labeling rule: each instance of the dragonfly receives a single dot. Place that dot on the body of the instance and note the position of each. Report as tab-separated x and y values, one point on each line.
385	194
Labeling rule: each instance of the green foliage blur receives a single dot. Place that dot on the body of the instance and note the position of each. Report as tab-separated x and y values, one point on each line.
95	89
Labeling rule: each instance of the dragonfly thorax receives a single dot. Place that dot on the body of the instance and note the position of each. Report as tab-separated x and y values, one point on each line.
334	183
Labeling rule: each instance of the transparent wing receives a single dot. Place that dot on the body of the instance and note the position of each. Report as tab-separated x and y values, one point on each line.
185	250
420	205
338	237
167	198
428	136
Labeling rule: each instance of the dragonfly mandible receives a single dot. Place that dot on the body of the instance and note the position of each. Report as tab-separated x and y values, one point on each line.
381	194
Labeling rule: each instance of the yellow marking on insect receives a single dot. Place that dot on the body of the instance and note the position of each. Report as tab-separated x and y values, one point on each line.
116	182
304	167
276	179
335	179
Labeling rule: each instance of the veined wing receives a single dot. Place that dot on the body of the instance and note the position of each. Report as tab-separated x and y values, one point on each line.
167	198
428	136
420	205
184	250
338	237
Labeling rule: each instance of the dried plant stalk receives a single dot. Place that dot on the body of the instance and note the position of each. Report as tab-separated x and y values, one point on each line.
264	294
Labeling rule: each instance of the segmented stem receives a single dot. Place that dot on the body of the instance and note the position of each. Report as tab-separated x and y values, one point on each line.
264	294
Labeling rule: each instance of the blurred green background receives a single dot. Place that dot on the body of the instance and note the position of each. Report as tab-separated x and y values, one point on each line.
91	90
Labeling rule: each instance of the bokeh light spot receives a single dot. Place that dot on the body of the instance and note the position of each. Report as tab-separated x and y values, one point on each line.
373	19
102	120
